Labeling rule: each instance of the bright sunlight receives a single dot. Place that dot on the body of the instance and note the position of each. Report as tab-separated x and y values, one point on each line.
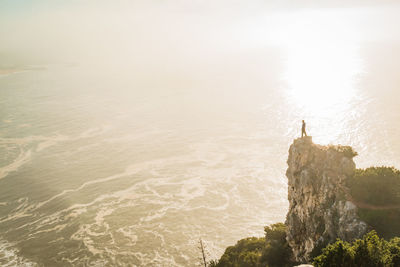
322	63
322	67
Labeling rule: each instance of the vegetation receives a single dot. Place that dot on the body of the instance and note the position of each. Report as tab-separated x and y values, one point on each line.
376	185
346	150
271	251
370	251
379	186
246	252
277	251
385	222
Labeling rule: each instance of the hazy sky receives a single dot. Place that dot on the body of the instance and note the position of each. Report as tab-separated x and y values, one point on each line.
180	31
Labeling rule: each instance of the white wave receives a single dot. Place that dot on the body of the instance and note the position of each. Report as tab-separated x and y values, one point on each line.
51	142
22	158
9	256
19	212
168	193
130	170
129	233
44	142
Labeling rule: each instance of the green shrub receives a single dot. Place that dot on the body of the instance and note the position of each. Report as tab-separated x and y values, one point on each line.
277	251
385	222
379	186
270	251
346	150
336	254
376	185
246	252
370	251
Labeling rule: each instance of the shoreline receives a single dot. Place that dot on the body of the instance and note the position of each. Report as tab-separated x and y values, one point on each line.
10	71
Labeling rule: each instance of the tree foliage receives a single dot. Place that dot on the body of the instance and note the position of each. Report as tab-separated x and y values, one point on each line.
246	252
277	251
376	185
346	150
379	186
270	251
370	251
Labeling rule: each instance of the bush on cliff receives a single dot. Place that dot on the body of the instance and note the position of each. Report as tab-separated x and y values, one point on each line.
376	185
346	150
385	222
379	186
370	251
277	251
271	251
246	252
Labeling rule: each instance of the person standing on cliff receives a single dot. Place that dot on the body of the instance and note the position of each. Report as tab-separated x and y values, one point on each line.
303	129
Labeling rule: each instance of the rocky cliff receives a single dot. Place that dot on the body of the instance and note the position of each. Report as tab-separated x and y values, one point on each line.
318	210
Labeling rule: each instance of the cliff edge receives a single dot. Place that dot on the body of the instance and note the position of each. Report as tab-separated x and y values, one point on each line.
319	212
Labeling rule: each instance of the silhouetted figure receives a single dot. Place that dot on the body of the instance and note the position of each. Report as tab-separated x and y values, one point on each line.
303	129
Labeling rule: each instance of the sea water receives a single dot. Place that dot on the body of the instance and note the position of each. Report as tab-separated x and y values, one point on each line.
105	171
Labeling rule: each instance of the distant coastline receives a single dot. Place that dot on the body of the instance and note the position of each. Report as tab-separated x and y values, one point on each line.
12	70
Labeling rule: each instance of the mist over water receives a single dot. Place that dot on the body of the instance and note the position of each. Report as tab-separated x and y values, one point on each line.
132	140
127	178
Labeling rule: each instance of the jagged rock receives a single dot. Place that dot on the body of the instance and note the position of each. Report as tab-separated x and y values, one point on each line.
318	210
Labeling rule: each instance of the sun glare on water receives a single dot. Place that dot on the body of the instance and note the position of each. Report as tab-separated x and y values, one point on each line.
322	67
321	75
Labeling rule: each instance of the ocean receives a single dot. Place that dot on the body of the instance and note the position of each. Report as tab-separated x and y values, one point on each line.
103	170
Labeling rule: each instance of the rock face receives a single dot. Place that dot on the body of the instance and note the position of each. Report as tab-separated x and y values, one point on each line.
318	210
